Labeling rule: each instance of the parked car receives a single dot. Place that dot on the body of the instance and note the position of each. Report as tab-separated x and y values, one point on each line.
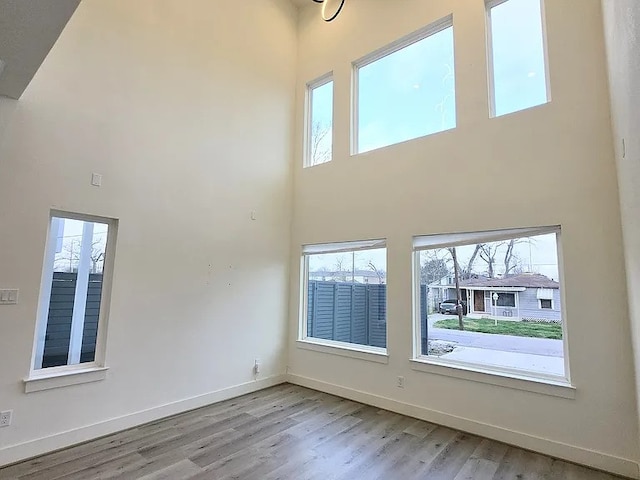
449	306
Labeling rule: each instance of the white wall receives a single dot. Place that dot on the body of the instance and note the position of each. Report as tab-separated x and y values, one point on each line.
545	166
186	110
622	35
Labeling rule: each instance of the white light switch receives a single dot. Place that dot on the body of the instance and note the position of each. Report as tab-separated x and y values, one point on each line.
8	297
96	179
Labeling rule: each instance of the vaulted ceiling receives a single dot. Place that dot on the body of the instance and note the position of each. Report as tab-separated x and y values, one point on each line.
28	30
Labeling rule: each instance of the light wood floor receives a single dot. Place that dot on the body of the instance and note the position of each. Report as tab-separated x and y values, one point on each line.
289	432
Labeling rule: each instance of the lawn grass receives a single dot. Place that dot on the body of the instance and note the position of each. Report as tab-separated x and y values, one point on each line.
518	329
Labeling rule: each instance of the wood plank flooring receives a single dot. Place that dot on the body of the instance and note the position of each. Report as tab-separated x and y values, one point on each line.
290	432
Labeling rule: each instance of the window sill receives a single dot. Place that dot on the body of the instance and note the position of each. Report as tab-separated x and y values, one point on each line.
545	386
360	352
46	380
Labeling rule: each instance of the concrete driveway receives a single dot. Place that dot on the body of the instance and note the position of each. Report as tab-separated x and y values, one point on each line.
504	343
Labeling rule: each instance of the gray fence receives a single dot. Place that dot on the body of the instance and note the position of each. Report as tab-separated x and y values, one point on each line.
56	345
347	312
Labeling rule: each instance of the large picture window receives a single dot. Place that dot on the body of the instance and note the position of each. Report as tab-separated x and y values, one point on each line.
74	291
491	300
345	294
406	90
517	55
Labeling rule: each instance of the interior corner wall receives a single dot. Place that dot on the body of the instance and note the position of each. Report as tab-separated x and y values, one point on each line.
186	109
549	165
622	33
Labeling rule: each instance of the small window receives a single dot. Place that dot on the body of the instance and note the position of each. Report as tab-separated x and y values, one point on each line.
517	55
501	299
320	122
406	90
74	293
345	294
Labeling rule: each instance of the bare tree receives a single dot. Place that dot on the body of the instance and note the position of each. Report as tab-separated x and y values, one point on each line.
488	253
375	270
70	258
513	263
320	149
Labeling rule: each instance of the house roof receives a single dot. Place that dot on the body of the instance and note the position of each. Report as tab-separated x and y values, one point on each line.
527	280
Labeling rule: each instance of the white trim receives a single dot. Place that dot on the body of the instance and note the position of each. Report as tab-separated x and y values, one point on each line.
63	377
80	297
457	239
343	247
46	283
15	453
542	384
583	456
393	47
344	349
308	117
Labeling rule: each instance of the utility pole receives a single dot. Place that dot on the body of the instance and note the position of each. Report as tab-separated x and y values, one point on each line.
456	274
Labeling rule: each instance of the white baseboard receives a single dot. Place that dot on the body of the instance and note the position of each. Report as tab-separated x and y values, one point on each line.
590	458
33	448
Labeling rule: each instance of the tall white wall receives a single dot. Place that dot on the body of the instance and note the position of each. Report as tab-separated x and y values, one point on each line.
549	165
186	110
622	36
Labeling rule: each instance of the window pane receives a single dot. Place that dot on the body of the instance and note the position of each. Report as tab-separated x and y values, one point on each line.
347	297
74	292
519	70
407	94
320	124
505	324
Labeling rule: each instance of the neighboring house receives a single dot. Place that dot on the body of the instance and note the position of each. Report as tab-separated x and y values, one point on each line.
358	276
527	296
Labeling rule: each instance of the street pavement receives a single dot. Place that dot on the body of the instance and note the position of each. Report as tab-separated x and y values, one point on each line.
504	343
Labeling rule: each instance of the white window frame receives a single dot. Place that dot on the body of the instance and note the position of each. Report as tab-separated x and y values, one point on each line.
550	300
308	123
362	352
418	35
522	379
52	377
489	5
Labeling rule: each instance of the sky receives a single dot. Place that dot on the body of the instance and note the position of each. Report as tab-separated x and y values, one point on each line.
411	93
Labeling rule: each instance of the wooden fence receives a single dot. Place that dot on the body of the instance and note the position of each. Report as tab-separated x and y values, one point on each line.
56	345
347	312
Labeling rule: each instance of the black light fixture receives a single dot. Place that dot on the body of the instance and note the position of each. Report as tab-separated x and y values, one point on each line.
330	9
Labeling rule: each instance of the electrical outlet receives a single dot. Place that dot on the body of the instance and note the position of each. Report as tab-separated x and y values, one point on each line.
256	366
400	382
5	418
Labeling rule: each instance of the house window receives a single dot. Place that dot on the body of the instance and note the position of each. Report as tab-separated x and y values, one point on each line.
504	278
406	90
320	121
346	310
506	299
517	55
74	291
546	304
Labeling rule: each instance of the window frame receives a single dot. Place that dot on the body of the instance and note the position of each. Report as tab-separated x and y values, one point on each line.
478	371
489	5
353	350
308	123
36	375
393	47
